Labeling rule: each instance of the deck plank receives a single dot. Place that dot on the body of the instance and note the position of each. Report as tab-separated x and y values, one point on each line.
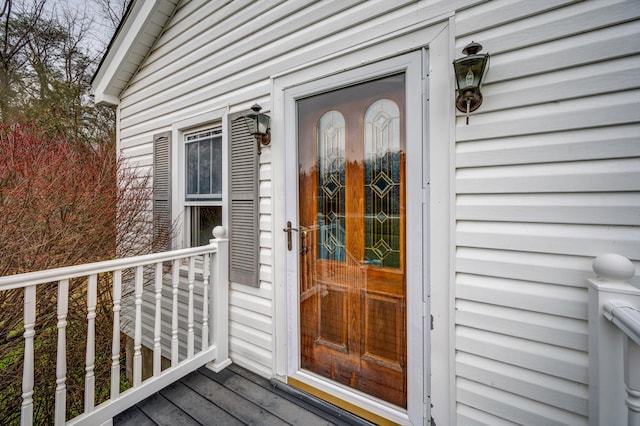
133	416
245	410
163	413
332	414
266	399
201	409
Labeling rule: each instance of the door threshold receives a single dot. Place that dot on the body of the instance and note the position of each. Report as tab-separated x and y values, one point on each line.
308	396
359	405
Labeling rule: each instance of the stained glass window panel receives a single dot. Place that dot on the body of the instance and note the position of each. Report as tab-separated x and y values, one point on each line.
382	184
331	186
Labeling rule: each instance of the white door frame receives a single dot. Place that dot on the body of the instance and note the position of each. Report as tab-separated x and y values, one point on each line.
432	365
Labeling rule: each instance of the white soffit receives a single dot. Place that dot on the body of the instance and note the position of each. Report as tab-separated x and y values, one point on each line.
143	24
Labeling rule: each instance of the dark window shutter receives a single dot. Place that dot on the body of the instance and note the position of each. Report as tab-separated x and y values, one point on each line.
243	235
162	191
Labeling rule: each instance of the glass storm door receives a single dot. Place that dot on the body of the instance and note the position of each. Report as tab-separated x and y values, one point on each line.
351	202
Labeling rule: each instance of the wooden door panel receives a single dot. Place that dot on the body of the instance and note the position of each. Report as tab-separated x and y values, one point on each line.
383	341
333	314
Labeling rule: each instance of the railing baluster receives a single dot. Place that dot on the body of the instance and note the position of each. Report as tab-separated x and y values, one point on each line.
190	332
157	349
115	346
175	280
89	382
61	364
137	338
26	415
205	302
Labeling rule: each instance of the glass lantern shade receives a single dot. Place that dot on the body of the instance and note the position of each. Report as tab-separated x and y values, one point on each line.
257	123
259	126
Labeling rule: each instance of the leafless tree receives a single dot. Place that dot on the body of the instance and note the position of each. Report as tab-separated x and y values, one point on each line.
113	11
17	26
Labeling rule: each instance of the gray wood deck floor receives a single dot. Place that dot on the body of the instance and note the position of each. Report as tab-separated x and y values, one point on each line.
234	396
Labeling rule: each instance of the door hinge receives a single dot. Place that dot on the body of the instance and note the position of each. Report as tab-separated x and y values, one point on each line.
431	321
426	415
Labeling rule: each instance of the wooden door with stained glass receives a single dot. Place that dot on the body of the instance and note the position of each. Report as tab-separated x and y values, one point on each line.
352	240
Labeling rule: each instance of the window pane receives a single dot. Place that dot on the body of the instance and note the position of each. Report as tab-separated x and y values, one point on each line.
216	171
203	174
203	220
204	167
192	168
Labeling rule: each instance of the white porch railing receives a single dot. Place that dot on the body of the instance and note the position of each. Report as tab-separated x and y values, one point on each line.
213	351
614	343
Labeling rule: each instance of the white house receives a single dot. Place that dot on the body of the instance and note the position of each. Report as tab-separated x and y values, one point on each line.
385	255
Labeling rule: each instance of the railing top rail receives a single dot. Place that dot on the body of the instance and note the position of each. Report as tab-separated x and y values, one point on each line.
626	318
50	275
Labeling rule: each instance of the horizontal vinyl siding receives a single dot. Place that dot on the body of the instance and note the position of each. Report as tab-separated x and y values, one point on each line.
511	407
612	208
547	178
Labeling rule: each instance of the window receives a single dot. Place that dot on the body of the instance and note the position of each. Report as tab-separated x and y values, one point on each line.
203	184
194	190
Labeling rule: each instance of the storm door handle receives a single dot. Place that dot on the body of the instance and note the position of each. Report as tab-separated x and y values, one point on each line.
288	230
302	232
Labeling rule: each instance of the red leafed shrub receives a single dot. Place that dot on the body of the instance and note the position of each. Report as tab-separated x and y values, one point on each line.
58	201
64	203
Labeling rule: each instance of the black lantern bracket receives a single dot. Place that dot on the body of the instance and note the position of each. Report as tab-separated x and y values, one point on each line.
470	71
259	126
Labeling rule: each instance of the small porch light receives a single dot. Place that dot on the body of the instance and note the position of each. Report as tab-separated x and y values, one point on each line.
259	126
470	71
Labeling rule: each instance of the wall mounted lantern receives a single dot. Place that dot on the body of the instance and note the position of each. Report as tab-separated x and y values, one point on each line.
470	71
259	126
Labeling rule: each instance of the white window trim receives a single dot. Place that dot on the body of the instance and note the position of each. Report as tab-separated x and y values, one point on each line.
213	118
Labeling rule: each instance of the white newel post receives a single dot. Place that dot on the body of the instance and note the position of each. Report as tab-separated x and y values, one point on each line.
219	295
608	344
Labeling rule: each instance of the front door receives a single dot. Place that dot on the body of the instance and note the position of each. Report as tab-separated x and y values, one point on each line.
352	261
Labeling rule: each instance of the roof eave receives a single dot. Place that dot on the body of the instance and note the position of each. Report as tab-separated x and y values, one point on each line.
117	66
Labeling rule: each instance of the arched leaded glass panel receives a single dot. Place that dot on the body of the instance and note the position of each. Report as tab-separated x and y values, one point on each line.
382	243
331	186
